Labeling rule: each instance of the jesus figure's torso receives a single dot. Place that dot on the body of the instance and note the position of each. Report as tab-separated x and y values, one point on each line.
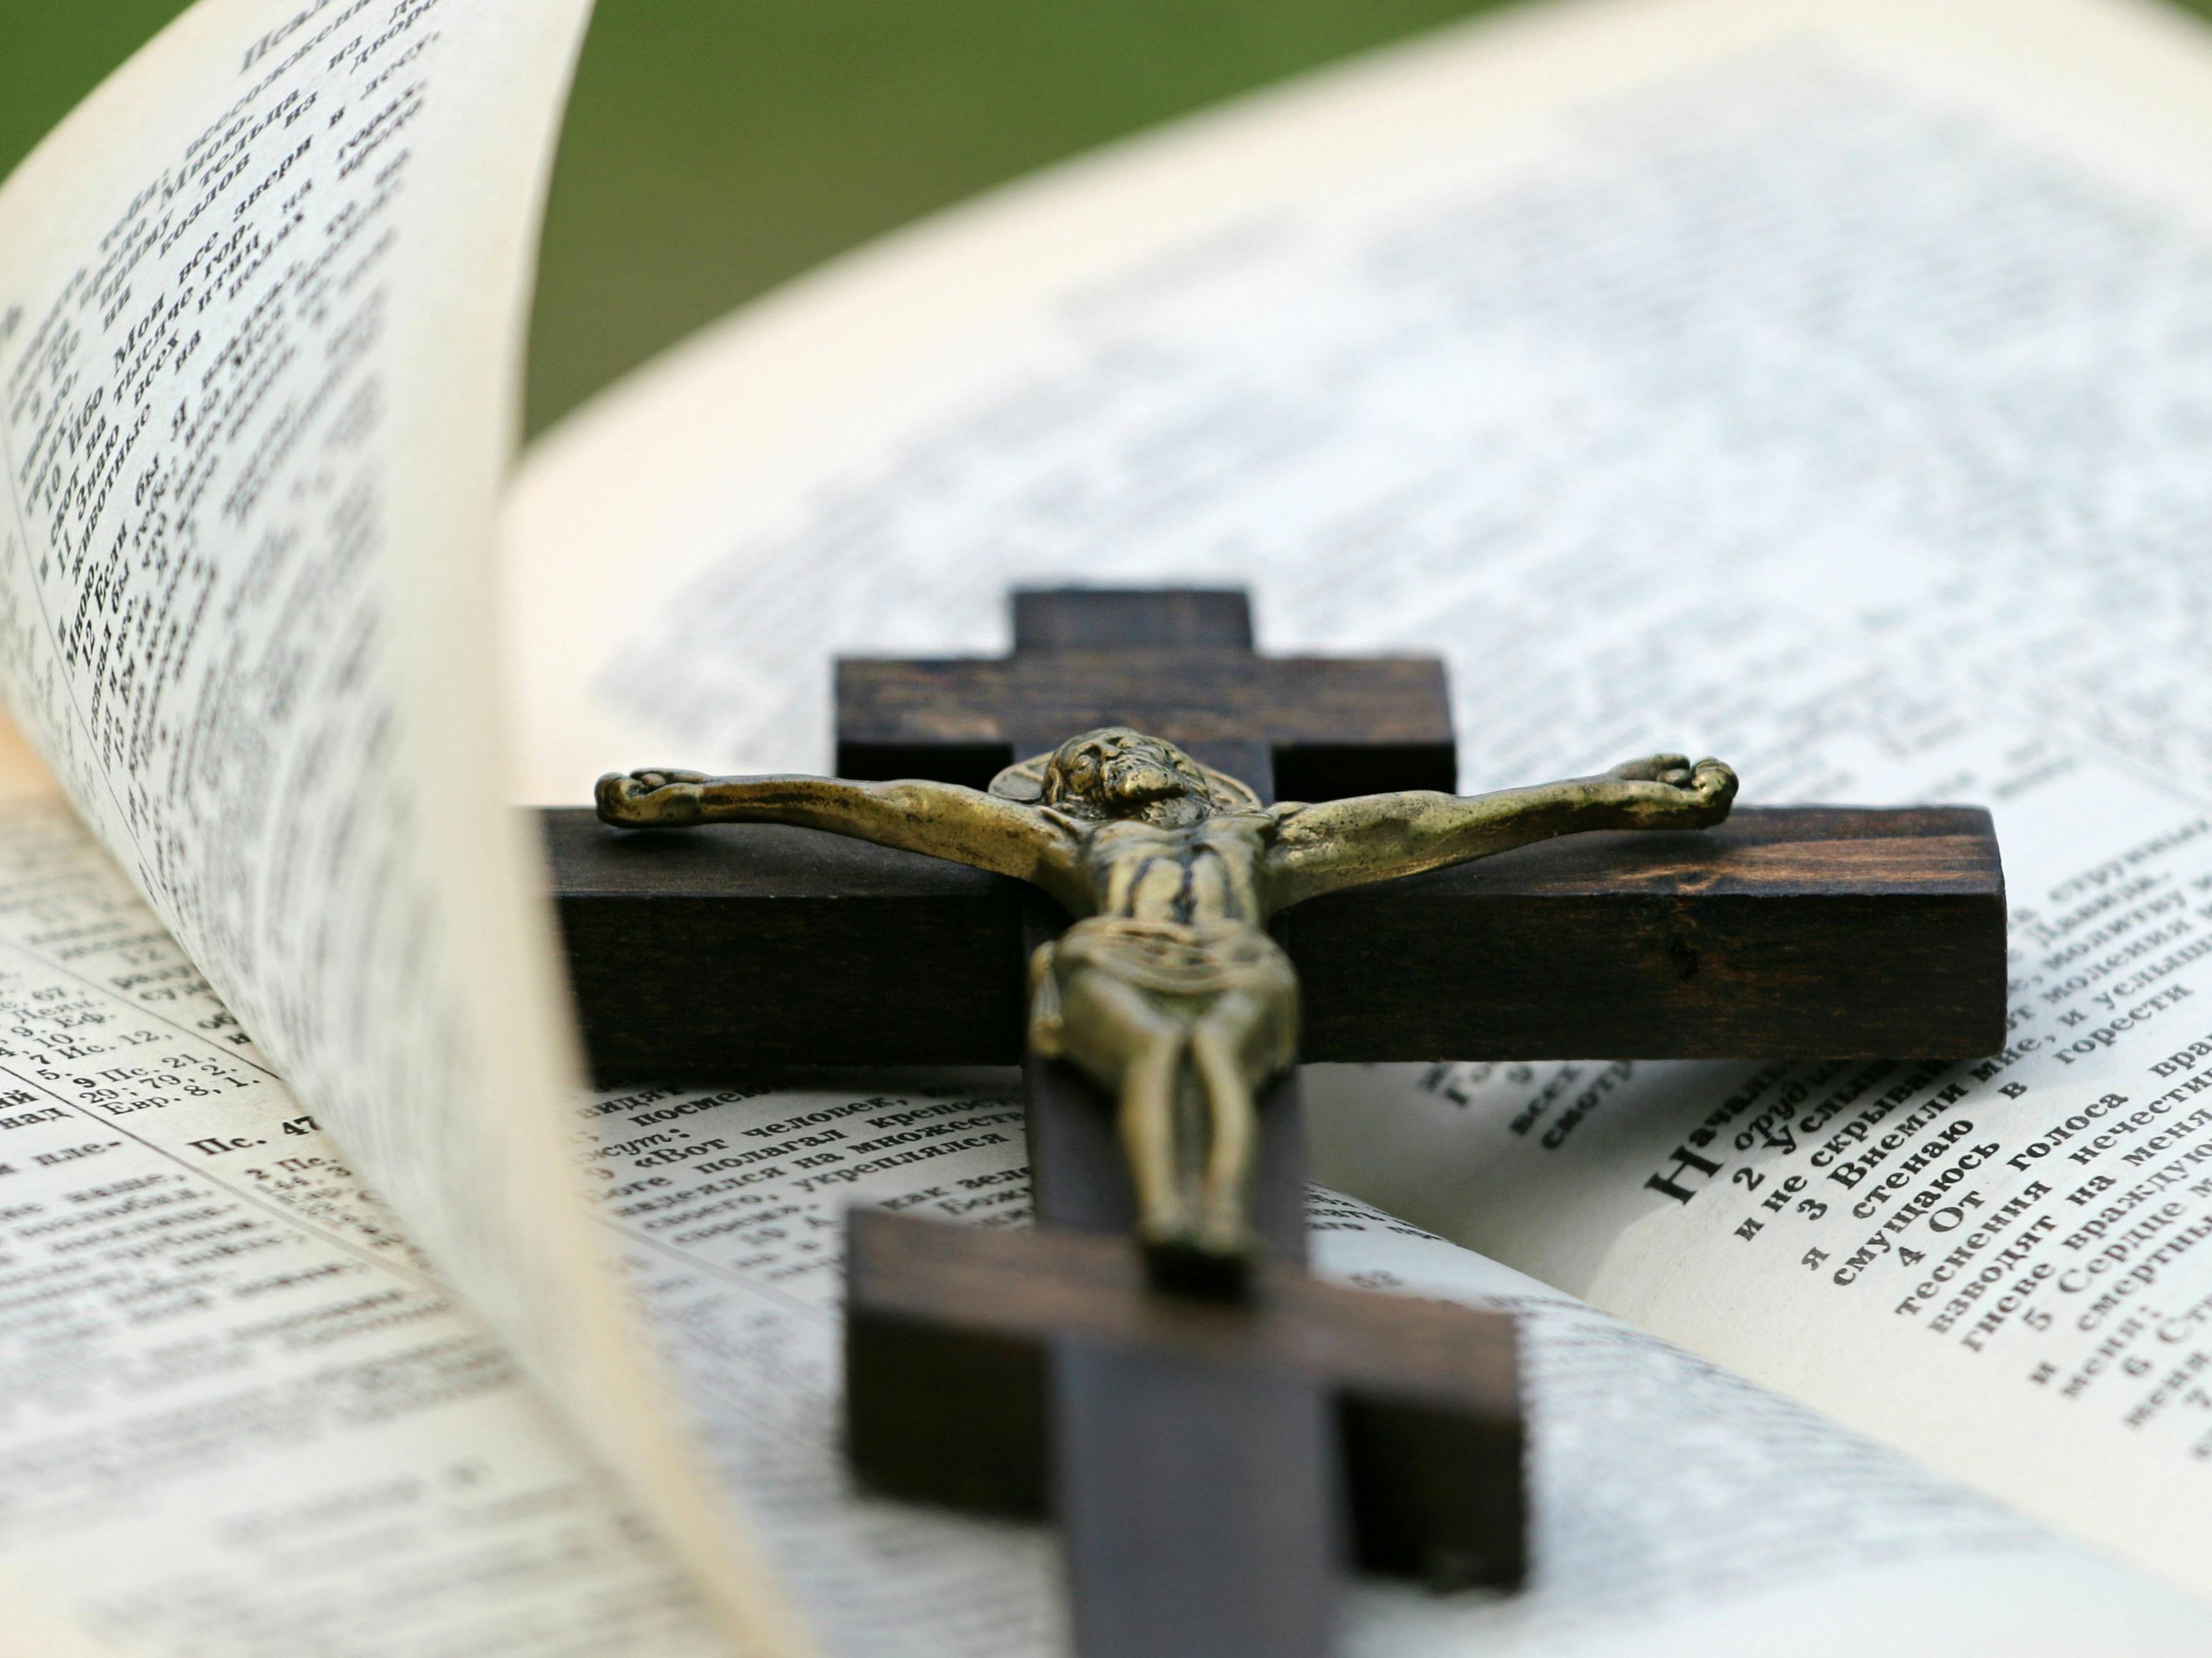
1206	871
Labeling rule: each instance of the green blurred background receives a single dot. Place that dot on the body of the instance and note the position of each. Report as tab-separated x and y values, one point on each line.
715	148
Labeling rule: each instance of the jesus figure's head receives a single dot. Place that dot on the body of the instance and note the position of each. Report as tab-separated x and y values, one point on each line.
1115	772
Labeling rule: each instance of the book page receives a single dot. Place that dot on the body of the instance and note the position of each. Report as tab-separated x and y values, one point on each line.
238	1412
260	314
1676	1509
1821	386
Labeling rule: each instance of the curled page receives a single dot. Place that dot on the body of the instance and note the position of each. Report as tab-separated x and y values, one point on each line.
238	1411
261	301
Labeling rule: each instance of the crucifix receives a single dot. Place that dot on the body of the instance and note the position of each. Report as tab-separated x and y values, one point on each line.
1211	1425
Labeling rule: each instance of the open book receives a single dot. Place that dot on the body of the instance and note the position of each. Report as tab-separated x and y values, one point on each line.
1821	386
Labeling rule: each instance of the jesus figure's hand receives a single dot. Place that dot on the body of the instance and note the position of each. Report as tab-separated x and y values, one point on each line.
1674	793
656	798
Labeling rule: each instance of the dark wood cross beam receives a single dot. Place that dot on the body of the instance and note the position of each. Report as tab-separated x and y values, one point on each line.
1194	1452
1179	664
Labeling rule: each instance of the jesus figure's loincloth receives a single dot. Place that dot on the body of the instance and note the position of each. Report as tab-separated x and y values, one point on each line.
1181	970
1157	1011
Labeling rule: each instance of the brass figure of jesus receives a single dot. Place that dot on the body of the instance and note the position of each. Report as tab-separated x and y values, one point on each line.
1167	991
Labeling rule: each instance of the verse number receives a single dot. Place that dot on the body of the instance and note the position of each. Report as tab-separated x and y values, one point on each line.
300	1125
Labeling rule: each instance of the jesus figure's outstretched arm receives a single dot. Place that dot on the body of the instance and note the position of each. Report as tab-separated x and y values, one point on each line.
942	819
1344	843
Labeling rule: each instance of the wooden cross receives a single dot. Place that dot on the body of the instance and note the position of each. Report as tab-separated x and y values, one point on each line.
1207	1459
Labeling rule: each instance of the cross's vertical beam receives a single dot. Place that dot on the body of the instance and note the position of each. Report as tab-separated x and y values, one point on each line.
1201	1504
1244	1560
1077	620
1201	1500
1059	619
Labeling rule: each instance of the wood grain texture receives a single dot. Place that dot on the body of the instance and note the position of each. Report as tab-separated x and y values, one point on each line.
1811	930
1177	692
1200	1502
1000	1282
947	1327
1178	662
1803	930
693	957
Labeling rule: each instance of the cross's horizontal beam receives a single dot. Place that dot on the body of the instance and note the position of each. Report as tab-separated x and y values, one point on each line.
1812	930
1339	724
949	1330
1803	930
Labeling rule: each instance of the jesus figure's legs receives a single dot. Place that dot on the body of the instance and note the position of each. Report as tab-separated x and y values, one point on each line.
1232	1132
1240	1042
1134	1048
1182	1025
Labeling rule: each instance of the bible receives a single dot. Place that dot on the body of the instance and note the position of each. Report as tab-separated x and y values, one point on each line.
1814	385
